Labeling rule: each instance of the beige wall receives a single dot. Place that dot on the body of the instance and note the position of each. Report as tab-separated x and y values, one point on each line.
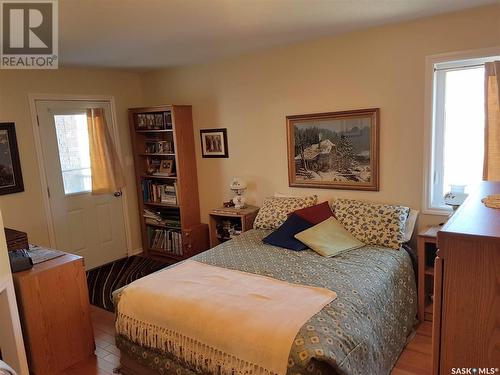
24	211
380	67
251	95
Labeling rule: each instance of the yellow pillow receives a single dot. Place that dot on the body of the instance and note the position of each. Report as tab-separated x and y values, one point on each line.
329	238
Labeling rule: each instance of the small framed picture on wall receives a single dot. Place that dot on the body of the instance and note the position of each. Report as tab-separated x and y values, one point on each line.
11	179
214	143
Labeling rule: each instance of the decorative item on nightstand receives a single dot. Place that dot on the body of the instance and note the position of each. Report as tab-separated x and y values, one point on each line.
238	185
456	196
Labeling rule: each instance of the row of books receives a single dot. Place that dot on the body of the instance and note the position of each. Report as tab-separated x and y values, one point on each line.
165	240
162	217
154	192
153	121
159	147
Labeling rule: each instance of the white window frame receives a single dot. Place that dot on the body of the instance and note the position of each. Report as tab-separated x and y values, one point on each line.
66	113
431	138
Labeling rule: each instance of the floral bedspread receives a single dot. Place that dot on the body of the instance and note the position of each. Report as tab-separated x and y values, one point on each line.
361	332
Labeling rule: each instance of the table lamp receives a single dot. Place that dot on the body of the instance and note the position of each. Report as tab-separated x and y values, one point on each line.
238	185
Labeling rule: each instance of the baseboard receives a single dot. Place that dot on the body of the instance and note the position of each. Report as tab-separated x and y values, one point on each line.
135	252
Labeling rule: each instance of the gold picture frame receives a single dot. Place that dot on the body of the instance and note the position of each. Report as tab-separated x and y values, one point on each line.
334	150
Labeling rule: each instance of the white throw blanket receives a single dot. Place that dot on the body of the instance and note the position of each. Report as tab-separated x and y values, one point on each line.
5	369
215	318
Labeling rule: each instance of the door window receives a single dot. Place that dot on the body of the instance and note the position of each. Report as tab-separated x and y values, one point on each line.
74	156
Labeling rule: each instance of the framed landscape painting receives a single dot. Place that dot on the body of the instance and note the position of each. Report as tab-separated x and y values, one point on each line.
11	179
335	150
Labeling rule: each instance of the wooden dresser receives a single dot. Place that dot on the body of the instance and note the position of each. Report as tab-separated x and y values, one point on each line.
466	326
55	314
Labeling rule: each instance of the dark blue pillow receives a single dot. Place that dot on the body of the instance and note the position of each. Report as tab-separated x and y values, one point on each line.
284	235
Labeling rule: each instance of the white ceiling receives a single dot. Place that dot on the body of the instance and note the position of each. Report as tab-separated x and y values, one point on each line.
161	33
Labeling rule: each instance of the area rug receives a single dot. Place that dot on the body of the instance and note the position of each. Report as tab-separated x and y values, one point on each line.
103	281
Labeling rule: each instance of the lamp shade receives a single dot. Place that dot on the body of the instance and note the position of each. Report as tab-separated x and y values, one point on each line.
237	183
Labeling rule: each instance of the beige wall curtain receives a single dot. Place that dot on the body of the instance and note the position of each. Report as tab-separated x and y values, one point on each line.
107	175
491	171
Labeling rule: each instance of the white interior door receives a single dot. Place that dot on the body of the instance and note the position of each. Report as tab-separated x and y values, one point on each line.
85	224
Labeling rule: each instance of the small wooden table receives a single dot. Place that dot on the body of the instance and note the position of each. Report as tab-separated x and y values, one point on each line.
426	252
243	217
54	308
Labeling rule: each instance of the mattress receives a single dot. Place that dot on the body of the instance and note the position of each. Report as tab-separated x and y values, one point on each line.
362	331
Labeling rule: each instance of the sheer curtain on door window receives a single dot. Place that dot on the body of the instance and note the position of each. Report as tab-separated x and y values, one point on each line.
491	169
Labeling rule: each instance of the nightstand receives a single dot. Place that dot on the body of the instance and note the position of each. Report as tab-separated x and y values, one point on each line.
225	223
426	252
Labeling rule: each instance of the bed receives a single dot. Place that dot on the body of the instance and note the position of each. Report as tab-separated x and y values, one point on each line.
362	331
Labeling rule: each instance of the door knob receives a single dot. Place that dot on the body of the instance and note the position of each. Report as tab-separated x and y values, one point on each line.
117	194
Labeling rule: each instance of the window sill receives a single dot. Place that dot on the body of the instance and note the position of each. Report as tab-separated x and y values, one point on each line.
438	211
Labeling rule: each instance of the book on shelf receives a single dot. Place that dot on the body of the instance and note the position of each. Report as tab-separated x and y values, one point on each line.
158	147
162	217
153	121
165	240
168	194
154	192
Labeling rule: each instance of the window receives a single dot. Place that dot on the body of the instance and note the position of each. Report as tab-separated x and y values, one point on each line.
73	144
458	128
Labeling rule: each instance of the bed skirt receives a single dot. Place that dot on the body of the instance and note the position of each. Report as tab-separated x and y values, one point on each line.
136	360
129	366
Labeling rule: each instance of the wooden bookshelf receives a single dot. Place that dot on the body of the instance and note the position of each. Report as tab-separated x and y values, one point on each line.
163	139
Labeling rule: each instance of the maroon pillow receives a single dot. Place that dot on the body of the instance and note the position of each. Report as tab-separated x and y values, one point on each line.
315	214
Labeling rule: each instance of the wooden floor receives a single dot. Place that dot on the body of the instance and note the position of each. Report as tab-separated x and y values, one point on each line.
107	355
415	359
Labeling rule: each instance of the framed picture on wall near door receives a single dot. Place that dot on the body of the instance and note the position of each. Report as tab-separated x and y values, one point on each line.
11	179
214	143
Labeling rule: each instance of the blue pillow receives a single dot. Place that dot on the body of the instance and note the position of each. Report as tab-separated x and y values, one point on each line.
284	235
